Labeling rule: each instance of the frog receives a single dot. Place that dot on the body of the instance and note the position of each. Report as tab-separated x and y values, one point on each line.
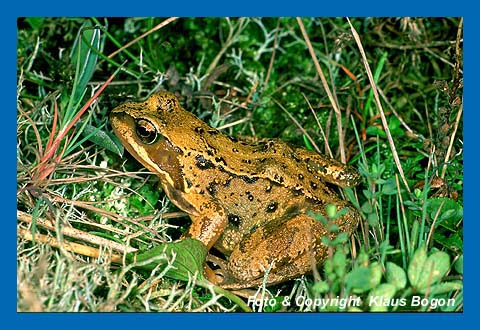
255	203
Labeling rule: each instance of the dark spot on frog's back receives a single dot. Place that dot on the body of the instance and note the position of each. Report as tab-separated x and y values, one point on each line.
202	163
272	207
199	130
221	160
234	219
294	156
297	192
249	179
212	188
278	178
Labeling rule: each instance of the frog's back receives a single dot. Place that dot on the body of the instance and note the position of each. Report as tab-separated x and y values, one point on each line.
298	169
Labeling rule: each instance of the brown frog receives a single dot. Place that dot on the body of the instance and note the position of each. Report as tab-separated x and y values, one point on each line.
249	201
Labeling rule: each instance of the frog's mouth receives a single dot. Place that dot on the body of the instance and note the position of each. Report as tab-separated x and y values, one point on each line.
124	128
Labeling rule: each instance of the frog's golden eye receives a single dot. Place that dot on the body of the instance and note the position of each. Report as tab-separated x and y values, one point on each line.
146	131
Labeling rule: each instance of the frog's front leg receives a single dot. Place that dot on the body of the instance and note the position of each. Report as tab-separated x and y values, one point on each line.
289	249
208	223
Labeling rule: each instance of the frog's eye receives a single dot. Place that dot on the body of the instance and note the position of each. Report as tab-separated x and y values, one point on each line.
146	131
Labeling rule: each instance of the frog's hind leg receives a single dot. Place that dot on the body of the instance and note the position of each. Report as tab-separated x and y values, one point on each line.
287	249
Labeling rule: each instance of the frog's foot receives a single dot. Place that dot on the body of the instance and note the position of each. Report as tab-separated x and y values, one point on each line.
219	274
215	274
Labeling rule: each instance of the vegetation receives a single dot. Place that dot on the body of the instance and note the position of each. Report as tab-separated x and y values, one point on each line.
388	101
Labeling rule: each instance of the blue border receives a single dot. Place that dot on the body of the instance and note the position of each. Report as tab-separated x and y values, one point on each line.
222	8
235	8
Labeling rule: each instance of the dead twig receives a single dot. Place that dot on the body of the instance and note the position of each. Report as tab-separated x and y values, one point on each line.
71	232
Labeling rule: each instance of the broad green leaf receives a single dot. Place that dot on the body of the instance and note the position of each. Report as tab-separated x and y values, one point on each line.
146	199
450	212
396	275
374	131
188	257
415	267
362	279
341	238
329	270
380	297
434	269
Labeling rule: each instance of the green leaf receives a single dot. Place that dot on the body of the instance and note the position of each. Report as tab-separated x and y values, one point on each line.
373	220
362	279
96	135
102	138
339	262
386	291
454	241
341	238
188	257
320	287
458	265
331	211
35	22
374	131
415	267
308	145
390	187
367	193
329	270
396	275
450	212
84	55
351	196
445	287
434	269
367	207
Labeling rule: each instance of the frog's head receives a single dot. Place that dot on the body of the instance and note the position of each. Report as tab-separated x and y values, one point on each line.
145	128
